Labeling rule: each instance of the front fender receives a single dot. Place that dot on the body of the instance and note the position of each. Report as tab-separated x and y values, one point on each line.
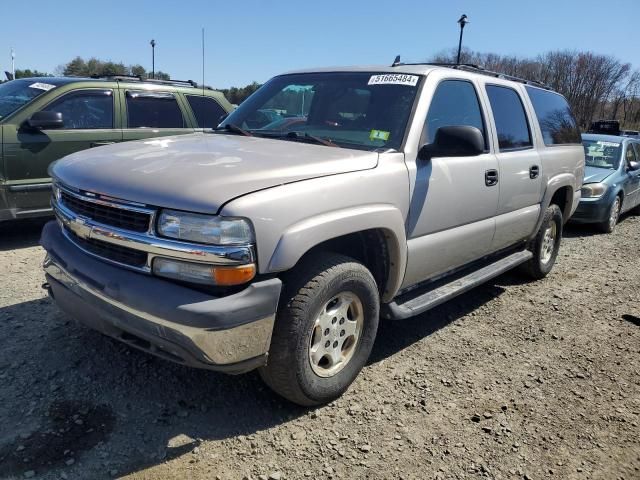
301	237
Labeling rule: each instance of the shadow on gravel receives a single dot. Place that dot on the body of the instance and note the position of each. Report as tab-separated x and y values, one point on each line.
135	410
574	230
71	427
394	336
632	319
21	233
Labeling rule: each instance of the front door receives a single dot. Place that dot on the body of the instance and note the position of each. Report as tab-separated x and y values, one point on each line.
89	121
632	190
451	218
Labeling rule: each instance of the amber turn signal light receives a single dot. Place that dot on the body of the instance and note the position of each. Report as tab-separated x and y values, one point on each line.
228	276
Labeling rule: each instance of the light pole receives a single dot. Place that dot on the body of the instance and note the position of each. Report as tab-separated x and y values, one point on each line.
153	58
463	21
13	63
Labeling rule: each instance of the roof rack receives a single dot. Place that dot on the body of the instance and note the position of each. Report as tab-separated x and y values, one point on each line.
470	67
135	78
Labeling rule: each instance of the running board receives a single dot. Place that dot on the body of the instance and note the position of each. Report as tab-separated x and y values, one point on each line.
416	303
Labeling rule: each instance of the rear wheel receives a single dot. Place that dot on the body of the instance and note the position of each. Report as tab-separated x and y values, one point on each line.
324	330
609	225
545	244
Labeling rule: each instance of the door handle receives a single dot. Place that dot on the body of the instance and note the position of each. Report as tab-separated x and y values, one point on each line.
534	171
100	144
491	177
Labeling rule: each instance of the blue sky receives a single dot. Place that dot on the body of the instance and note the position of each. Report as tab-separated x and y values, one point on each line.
253	40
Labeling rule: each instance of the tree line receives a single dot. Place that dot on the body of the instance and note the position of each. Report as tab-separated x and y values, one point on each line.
596	86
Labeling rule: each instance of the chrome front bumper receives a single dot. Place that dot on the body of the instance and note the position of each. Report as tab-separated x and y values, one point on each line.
230	333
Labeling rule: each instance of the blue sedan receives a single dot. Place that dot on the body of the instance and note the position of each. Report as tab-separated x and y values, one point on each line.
611	180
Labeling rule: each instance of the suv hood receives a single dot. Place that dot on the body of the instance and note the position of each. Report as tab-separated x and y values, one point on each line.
200	172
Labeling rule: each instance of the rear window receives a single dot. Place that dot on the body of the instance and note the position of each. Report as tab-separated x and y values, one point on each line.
554	117
153	110
511	120
207	111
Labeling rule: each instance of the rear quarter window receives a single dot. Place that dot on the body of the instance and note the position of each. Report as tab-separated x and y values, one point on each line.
207	111
554	117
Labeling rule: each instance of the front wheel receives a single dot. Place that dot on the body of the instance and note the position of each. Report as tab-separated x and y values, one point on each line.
545	244
609	225
324	330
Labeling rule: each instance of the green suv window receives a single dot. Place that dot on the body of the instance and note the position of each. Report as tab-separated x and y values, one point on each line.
85	109
153	110
207	111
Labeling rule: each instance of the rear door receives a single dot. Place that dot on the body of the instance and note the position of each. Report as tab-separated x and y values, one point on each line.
90	120
519	167
150	113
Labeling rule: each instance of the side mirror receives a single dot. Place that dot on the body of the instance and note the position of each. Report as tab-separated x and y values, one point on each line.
45	120
454	141
634	165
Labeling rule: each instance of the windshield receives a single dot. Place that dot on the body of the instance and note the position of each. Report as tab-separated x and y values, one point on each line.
17	93
352	110
602	154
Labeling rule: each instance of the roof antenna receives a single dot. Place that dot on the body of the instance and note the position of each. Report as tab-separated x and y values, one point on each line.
396	62
203	61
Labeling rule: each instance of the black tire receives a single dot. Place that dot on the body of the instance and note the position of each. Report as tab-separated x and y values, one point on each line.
539	266
609	225
307	290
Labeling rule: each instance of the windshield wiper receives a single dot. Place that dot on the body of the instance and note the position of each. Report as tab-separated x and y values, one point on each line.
232	128
313	138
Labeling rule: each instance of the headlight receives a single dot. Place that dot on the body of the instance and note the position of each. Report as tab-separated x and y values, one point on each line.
207	229
593	190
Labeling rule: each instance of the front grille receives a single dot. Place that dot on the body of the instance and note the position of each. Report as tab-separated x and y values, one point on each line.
115	253
107	215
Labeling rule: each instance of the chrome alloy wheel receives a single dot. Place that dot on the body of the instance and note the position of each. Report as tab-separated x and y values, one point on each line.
335	335
615	213
548	243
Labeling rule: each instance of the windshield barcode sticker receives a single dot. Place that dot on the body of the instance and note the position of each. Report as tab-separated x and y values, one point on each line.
393	79
42	86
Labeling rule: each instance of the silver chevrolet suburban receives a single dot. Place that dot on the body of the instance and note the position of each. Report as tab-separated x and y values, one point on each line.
329	199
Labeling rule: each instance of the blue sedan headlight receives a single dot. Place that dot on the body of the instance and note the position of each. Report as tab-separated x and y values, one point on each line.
593	190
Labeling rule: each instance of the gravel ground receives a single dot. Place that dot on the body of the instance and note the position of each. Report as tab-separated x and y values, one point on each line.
513	380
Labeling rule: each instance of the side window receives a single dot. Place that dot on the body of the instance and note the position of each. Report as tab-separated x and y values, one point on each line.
637	147
554	117
510	117
630	155
454	103
206	110
153	110
85	109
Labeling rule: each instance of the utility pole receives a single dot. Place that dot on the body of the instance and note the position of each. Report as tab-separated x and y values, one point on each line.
462	21
153	58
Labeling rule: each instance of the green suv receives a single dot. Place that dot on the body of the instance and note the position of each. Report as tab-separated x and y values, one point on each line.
44	119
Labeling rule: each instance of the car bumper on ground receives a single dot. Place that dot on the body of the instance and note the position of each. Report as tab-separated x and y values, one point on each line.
592	210
230	333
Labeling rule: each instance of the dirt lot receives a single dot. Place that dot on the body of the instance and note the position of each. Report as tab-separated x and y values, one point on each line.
514	380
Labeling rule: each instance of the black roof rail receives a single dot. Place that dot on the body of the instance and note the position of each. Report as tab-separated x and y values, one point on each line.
470	67
118	77
128	78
